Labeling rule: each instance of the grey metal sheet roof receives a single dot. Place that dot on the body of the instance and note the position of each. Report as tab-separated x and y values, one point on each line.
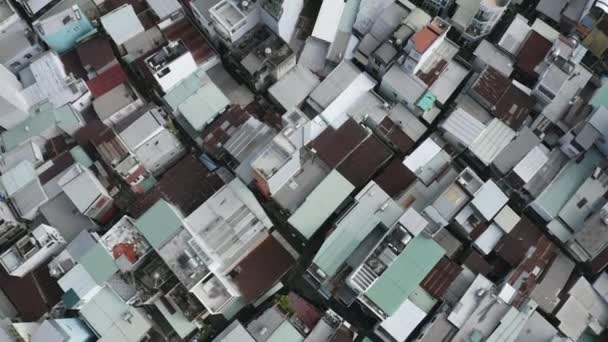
335	83
516	150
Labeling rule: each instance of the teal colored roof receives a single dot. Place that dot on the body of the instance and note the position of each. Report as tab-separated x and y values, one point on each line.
70	299
404	275
18	177
600	98
427	102
572	176
344	240
422	299
198	99
67	118
286	332
321	203
159	224
204	105
40	120
81	157
99	263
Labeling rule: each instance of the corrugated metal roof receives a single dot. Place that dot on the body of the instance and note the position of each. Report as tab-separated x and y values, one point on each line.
516	150
159	223
198	99
416	261
463	126
494	138
321	203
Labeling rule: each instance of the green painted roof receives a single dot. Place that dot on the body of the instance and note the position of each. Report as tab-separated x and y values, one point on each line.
198	99
99	263
321	203
159	224
422	299
600	98
570	178
427	102
41	119
404	275
286	332
344	240
204	105
81	156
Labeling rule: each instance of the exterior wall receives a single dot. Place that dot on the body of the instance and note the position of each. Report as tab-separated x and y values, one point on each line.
180	68
285	25
233	34
13	105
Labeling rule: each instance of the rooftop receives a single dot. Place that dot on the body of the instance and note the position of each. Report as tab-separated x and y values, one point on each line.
555	196
293	88
333	146
96	54
363	162
198	99
259	271
492	140
417	260
183	255
532	53
114	320
321	203
423	39
228	225
107	80
187	185
160	223
122	24
353	228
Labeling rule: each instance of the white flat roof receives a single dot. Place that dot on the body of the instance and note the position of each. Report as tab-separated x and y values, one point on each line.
489	238
328	20
489	199
422	155
401	324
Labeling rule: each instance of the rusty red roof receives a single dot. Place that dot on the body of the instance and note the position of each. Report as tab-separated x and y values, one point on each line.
107	80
